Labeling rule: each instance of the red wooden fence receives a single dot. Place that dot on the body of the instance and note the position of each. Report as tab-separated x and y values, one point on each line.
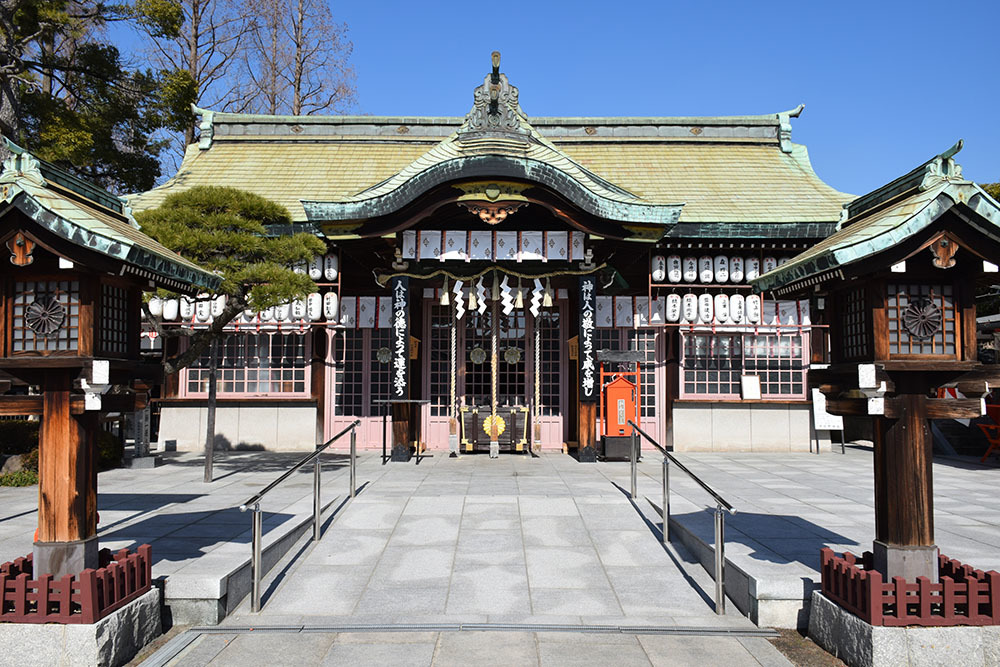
963	596
84	598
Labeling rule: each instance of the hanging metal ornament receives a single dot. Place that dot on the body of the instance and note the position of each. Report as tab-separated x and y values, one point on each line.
536	298
459	301
505	297
444	300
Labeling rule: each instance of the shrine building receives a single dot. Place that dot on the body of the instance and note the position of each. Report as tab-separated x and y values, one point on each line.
512	251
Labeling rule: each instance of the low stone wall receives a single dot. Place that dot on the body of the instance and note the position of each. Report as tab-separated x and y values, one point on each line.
274	426
861	644
705	426
112	641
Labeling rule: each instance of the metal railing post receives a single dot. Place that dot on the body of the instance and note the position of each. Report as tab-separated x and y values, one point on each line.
666	500
354	460
316	499
255	560
720	561
635	460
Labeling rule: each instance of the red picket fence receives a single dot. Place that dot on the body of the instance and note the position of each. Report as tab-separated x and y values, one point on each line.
964	596
84	598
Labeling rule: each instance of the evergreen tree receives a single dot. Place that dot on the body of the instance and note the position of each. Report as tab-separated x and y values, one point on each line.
230	232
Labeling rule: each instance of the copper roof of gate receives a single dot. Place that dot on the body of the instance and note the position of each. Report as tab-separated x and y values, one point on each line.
886	218
729	169
94	220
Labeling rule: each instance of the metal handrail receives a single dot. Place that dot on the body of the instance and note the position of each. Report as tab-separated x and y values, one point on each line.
721	503
719	499
253	504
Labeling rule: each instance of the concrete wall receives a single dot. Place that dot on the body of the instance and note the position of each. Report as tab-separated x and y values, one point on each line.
702	426
273	426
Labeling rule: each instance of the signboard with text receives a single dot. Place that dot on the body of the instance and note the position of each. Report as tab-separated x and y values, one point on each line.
586	357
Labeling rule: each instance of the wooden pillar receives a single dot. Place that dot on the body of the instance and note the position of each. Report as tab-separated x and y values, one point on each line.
401	431
67	487
904	493
587	431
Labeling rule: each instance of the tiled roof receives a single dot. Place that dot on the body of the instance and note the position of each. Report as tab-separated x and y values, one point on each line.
79	213
723	169
896	215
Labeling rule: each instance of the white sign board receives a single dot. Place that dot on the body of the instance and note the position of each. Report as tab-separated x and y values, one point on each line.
823	420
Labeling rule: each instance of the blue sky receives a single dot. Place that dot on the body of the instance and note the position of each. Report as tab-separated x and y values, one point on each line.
886	85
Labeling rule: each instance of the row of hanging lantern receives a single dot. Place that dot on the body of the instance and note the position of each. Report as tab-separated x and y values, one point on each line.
313	308
474	297
675	269
718	309
321	266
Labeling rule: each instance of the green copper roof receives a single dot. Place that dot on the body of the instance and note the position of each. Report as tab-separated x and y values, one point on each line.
885	218
93	219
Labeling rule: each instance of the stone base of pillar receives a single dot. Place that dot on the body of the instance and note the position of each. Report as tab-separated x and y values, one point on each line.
587	455
453	445
494	449
60	558
401	453
908	562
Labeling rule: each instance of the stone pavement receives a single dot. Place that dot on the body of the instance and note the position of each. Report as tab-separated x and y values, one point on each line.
476	547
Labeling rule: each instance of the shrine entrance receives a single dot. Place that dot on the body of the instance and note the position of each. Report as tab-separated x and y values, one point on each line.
524	351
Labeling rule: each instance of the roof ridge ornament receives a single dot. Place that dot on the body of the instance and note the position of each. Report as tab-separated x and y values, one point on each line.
495	105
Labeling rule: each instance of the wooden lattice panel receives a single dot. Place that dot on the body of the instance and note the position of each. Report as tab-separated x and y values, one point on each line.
45	317
114	320
923	320
854	324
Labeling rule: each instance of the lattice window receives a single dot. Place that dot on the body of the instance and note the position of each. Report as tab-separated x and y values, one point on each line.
439	350
551	361
114	320
644	340
380	370
477	359
258	365
511	372
922	320
711	364
45	317
854	318
349	372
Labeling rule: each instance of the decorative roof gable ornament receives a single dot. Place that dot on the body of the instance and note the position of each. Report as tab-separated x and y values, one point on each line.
495	107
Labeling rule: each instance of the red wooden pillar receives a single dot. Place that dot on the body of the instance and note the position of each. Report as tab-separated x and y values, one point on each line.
67	486
904	493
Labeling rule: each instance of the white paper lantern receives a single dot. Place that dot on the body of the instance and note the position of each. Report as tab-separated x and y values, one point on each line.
706	269
689	307
155	306
203	310
299	309
187	308
705	308
314	306
170	309
267	315
331	307
300	267
218	305
331	267
690	269
737	308
769	264
674	271
783	260
658	268
673	313
736	269
721	269
316	268
281	312
722	307
751	268
249	316
753	309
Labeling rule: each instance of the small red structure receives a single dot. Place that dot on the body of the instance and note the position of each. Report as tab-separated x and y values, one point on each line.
964	596
84	598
